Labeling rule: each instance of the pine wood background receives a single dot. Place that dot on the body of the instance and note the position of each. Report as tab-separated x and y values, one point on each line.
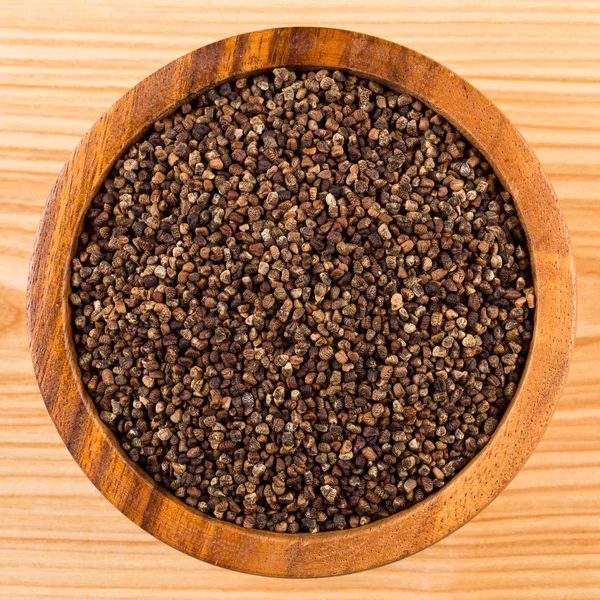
63	62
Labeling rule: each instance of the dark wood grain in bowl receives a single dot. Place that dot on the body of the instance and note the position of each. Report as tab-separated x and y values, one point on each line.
96	449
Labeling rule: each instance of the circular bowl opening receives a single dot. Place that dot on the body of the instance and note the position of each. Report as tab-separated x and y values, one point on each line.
133	491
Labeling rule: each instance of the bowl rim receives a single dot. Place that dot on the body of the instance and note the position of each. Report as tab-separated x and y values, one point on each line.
133	491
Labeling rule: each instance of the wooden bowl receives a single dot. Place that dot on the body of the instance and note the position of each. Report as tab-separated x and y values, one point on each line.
96	449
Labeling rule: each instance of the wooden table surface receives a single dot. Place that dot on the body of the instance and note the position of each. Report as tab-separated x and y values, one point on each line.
63	63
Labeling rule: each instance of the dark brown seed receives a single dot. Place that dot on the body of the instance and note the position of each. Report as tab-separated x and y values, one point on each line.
302	302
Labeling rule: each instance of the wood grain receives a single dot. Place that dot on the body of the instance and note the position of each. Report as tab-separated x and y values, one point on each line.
60	68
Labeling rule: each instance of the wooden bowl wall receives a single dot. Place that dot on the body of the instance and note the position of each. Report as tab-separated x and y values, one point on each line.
96	449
